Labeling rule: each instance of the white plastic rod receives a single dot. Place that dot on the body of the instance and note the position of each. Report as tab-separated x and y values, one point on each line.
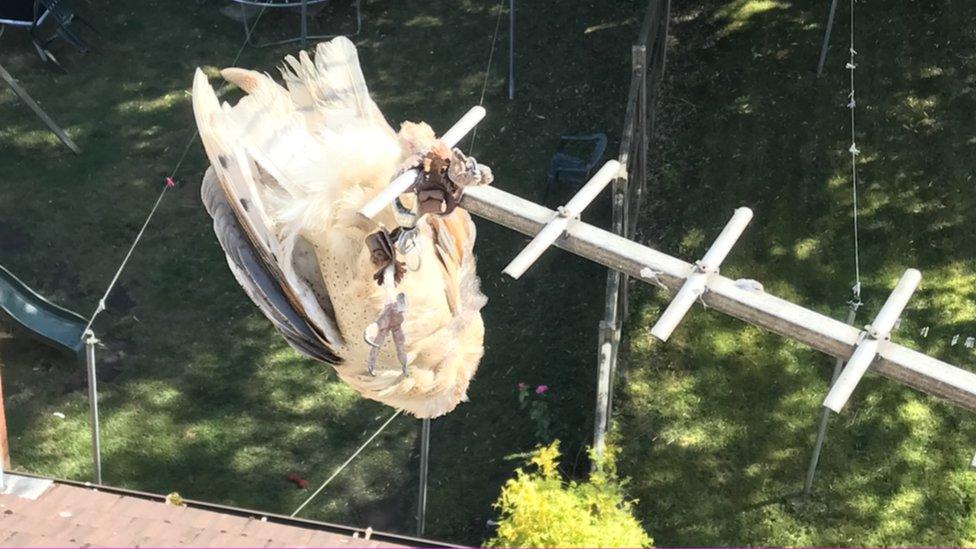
867	350
531	253
399	185
885	321
697	280
691	290
726	239
461	128
557	226
592	188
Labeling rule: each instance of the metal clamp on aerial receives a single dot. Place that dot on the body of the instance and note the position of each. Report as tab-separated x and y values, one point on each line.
874	335
696	282
564	214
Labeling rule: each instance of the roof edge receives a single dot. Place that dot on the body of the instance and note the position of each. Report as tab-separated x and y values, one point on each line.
334	528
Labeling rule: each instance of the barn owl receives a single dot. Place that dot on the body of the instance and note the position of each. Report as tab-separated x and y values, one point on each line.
392	303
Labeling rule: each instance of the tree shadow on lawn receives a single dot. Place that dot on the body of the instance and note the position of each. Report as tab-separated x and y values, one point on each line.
717	425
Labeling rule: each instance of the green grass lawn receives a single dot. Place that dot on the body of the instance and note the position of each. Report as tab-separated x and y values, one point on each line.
207	399
717	425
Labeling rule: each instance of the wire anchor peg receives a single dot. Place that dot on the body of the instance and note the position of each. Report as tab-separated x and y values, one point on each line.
696	282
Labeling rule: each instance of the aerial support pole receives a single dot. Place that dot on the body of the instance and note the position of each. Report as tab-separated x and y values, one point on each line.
4	446
511	49
96	444
609	340
826	39
424	466
825	417
304	23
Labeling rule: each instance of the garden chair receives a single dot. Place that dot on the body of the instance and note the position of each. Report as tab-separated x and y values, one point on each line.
572	170
61	18
303	7
47	20
17	13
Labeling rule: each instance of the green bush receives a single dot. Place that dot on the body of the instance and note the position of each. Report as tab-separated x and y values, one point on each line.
539	509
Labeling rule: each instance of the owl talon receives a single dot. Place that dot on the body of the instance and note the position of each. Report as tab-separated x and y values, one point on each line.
375	339
404	216
389	322
408	246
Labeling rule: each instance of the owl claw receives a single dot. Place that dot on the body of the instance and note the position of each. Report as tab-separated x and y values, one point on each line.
390	322
409	247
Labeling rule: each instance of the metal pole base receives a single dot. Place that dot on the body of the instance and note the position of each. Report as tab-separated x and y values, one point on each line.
826	39
824	418
424	465
90	341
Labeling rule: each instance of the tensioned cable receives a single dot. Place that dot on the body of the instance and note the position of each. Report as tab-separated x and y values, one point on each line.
169	183
851	66
346	463
491	54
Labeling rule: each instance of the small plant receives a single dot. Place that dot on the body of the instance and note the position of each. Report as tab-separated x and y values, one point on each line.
536	403
174	499
539	509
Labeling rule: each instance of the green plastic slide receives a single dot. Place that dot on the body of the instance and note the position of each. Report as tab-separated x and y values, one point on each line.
25	308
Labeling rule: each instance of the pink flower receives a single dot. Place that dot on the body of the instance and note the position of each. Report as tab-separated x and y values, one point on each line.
541	389
522	386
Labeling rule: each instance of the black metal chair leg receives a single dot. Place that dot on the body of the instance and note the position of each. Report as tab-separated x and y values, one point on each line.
72	38
91	27
40	50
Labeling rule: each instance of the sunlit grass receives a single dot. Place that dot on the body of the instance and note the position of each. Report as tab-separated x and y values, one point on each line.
738	13
164	102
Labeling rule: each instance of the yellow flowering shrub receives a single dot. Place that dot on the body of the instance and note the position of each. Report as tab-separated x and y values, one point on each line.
539	509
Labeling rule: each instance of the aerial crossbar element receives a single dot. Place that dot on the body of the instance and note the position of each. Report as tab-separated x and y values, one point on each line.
874	337
696	281
564	215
